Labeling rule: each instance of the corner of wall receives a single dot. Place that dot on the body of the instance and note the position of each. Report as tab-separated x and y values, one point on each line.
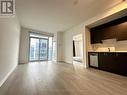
6	77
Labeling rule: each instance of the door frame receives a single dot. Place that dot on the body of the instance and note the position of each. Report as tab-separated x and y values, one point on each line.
80	63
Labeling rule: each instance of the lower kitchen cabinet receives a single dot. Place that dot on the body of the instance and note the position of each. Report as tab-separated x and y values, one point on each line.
106	61
113	62
121	62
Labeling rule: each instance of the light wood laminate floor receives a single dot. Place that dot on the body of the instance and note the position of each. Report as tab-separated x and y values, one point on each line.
49	78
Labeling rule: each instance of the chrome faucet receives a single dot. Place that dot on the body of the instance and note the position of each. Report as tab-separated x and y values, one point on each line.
109	49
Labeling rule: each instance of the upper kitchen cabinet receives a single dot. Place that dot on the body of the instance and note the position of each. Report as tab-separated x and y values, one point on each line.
122	31
95	37
114	29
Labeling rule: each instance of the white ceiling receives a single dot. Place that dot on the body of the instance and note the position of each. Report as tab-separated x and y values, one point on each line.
58	15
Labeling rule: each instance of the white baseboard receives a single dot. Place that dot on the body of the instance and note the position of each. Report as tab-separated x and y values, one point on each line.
6	77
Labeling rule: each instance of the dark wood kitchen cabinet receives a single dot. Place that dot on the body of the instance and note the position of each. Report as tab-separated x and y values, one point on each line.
106	61
116	29
121	61
95	37
98	35
115	62
121	31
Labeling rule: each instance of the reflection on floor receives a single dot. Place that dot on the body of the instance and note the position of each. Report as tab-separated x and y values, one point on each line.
77	63
50	78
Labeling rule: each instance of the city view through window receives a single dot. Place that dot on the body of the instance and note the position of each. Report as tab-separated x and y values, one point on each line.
41	48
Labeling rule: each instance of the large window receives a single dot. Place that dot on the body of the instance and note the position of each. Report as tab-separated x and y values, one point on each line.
40	48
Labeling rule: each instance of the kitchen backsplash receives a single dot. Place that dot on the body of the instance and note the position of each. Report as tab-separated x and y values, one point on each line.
111	45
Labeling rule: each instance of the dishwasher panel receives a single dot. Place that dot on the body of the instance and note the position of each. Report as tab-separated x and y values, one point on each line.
94	59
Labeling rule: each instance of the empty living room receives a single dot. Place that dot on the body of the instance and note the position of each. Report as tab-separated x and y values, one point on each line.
63	47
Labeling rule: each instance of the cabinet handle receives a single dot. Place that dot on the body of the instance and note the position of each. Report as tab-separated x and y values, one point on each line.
116	54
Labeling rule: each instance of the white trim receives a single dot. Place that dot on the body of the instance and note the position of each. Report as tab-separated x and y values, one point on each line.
6	77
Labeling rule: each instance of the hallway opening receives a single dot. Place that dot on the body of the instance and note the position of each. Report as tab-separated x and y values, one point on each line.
77	49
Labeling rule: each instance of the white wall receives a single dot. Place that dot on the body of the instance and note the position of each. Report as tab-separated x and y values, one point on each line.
68	35
59	46
24	46
54	47
68	42
9	46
